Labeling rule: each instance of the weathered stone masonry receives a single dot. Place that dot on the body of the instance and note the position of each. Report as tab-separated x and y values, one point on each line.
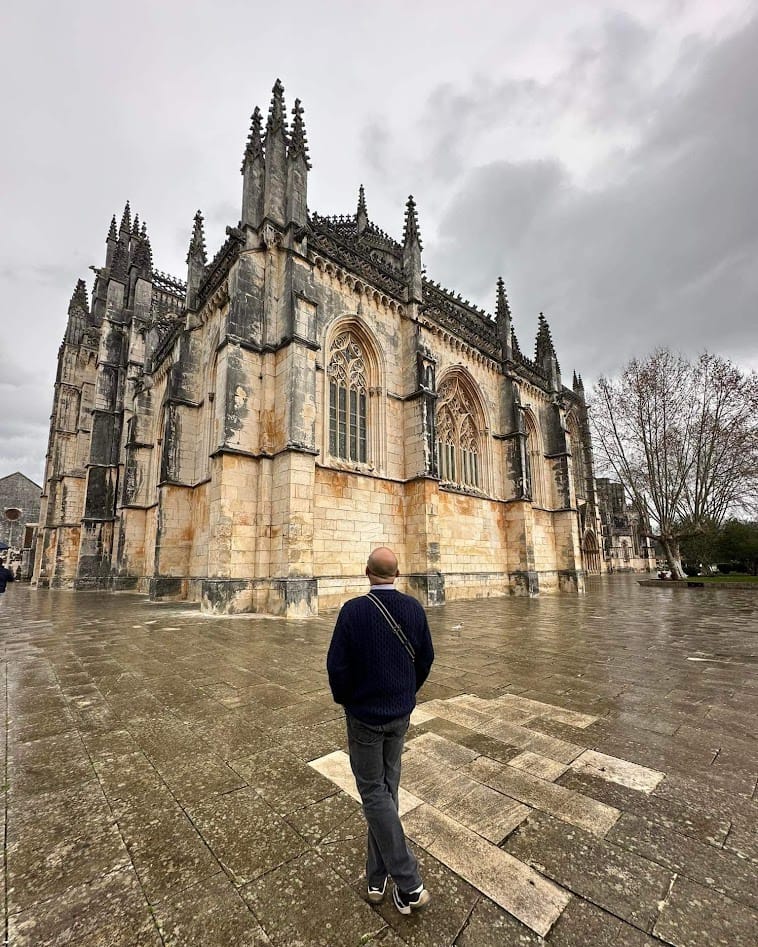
246	438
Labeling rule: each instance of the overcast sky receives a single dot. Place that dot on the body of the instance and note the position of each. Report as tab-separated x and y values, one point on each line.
599	156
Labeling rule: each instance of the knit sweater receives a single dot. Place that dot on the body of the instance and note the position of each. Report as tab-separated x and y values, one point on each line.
370	672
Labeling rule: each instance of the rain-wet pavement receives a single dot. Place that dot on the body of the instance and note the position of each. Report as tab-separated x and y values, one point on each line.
586	764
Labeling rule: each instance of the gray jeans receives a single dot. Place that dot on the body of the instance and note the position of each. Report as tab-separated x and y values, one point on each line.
375	752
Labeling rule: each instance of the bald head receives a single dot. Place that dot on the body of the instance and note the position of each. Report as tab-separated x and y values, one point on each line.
381	567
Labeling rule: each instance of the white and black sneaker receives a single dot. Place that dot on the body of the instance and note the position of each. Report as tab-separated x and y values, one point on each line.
375	895
407	901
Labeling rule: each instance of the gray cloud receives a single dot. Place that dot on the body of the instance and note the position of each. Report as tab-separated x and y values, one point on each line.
662	253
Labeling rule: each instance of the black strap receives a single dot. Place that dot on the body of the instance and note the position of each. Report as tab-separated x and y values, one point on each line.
393	625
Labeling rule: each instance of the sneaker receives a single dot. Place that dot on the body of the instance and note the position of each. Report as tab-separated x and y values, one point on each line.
407	901
375	895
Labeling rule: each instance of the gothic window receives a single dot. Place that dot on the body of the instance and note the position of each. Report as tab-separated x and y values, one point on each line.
348	399
458	442
577	458
536	461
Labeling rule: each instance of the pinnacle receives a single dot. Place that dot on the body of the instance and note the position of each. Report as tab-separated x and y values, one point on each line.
135	227
143	256
143	232
411	232
126	219
120	262
197	243
544	347
298	143
502	309
276	117
112	234
361	217
254	146
79	297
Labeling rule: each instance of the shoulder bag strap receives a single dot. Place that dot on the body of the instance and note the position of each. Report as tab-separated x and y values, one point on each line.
394	626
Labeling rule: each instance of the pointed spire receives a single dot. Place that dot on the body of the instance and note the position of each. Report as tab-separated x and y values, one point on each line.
298	147
120	262
502	309
254	146
412	248
361	217
126	219
578	385
135	226
545	354
112	233
574	382
411	232
78	313
196	261
279	176
277	121
143	231
503	320
544	344
143	258
196	250
79	298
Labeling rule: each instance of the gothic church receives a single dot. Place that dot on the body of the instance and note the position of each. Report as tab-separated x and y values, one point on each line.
244	439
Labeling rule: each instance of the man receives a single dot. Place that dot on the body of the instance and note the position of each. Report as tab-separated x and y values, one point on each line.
5	576
374	674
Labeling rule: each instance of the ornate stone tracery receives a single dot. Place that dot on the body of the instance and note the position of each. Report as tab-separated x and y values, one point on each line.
348	394
458	440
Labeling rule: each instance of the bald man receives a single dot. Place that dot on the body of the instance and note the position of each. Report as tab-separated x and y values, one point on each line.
380	655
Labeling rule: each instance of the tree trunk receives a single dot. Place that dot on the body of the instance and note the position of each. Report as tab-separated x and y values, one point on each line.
671	548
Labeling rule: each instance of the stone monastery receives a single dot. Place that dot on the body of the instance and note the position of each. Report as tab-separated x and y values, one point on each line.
244	439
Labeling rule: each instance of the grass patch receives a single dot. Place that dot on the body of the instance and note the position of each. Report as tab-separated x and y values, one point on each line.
718	579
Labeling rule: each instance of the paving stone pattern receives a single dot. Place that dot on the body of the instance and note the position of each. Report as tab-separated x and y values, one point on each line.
571	777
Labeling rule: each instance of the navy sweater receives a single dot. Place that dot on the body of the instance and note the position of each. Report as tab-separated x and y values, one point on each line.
370	672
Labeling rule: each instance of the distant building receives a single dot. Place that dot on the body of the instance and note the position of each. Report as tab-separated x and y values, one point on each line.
244	438
19	505
627	543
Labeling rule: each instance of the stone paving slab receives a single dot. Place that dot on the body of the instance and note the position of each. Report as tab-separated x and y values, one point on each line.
687	820
572	807
694	915
211	914
618	881
617	771
158	774
722	871
67	839
524	893
110	910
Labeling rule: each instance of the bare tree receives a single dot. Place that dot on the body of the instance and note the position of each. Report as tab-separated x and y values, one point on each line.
682	438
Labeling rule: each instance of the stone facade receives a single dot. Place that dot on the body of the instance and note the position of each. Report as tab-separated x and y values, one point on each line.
245	438
627	542
19	505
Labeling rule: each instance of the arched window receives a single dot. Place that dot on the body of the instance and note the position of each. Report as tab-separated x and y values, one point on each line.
536	458
348	399
577	458
458	441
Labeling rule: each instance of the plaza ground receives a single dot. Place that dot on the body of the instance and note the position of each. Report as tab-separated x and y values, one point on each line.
581	771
